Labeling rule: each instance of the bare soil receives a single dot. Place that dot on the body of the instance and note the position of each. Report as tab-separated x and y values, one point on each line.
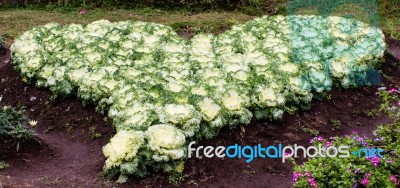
65	153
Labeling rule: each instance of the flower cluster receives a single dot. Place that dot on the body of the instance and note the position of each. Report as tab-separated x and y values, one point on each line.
359	139
312	182
390	101
316	139
365	181
395	91
310	179
374	160
296	176
354	171
394	180
161	90
368	171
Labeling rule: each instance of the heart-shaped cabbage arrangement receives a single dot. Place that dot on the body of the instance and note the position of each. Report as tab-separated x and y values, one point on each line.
162	91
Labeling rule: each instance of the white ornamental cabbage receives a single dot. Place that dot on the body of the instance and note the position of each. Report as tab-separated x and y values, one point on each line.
123	146
185	116
167	142
162	90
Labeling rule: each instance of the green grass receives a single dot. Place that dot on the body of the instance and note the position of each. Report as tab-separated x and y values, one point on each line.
16	21
389	11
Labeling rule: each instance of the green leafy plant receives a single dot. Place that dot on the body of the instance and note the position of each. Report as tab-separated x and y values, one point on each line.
311	131
94	134
13	124
3	165
176	178
373	113
2	45
390	103
336	124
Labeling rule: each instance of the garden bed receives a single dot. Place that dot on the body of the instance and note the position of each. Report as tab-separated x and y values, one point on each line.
67	151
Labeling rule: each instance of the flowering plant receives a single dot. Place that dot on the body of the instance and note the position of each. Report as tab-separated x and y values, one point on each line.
356	171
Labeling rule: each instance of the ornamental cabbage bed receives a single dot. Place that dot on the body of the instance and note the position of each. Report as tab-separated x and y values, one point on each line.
162	91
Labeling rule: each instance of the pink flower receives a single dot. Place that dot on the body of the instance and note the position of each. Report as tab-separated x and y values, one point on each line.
393	90
308	174
318	138
364	181
327	144
374	160
354	132
394	180
82	11
312	182
398	103
296	176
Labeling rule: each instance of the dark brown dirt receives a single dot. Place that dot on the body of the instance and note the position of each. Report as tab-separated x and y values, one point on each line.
394	48
65	154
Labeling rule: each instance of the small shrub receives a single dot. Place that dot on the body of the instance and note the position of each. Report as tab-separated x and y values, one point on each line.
176	178
310	131
336	124
94	134
3	165
13	125
2	45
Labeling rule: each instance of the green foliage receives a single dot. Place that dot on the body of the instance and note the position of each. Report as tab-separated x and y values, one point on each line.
13	125
94	134
3	165
389	11
393	29
355	171
390	103
2	45
373	113
310	131
176	178
336	124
